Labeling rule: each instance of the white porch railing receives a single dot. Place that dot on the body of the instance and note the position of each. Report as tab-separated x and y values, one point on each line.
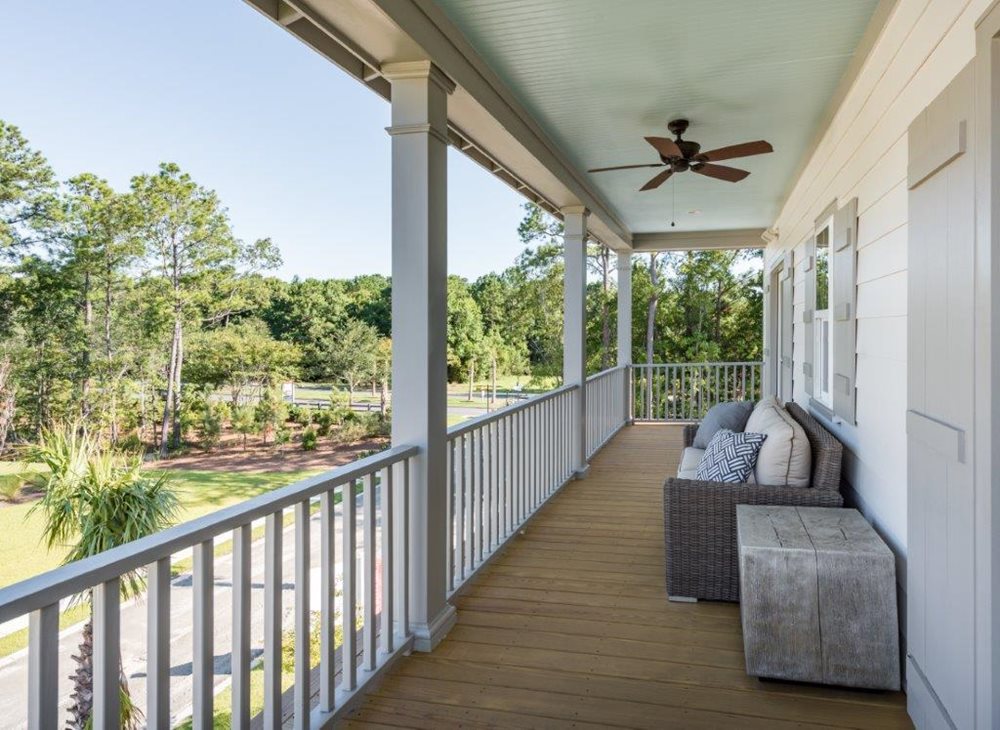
685	391
607	400
377	484
501	468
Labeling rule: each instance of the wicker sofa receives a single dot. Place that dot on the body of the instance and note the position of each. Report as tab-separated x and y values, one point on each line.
699	518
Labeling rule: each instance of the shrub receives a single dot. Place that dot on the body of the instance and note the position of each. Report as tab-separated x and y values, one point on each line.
324	420
296	414
282	436
131	444
10	486
309	439
244	422
210	427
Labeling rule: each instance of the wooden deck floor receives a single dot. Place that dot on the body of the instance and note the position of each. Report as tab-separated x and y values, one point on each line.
570	627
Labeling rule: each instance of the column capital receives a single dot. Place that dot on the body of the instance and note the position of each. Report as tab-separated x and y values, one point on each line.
402	70
575	210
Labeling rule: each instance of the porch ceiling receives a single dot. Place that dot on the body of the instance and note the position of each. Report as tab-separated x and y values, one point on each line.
547	89
598	76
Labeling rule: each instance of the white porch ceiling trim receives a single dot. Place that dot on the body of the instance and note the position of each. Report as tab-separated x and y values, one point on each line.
699	240
445	45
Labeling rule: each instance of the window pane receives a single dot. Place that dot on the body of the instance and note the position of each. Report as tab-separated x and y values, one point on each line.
823	269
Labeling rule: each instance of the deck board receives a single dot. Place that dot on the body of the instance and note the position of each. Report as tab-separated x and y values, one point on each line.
570	627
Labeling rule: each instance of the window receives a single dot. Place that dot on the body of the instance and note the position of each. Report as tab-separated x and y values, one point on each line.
822	329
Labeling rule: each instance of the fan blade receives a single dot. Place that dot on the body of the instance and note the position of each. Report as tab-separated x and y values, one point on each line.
664	146
720	172
624	167
746	149
657	181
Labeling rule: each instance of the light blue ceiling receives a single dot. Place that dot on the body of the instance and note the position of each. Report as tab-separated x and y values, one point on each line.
599	75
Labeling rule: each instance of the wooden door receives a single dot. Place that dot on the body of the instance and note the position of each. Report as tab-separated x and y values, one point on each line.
940	394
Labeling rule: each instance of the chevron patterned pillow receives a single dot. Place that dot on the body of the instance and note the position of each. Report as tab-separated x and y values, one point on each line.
730	456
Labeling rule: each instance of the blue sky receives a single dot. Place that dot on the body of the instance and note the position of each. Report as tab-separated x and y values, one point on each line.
295	148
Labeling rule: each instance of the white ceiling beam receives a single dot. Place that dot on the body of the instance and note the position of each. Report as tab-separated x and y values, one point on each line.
699	240
287	14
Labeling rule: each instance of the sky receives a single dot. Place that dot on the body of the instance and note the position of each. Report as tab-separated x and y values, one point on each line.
295	148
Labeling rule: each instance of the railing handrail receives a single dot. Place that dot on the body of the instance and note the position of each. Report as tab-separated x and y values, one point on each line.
696	364
72	578
606	372
479	421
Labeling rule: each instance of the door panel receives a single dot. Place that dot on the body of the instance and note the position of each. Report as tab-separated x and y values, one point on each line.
940	390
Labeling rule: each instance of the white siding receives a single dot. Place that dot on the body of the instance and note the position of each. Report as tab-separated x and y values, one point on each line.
863	153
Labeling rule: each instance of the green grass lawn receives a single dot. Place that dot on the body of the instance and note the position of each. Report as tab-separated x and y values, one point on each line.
22	554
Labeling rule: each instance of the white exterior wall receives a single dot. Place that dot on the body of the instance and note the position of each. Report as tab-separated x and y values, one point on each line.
863	153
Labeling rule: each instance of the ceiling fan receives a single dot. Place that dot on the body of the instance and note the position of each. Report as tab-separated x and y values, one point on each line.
680	155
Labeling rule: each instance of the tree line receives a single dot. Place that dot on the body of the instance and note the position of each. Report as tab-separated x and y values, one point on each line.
126	309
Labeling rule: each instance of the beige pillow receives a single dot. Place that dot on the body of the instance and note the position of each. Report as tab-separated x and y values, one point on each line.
785	459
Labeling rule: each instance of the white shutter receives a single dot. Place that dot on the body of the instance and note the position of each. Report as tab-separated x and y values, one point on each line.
843	303
808	343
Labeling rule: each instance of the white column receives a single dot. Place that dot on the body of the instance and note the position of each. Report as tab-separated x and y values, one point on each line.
625	326
419	315
575	324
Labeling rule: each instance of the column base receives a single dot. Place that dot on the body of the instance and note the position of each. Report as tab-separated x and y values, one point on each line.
581	472
426	637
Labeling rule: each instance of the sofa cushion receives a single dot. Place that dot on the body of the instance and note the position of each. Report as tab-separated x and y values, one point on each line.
732	415
785	458
689	463
730	456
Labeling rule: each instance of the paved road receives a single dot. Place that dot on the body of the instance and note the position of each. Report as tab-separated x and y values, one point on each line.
13	674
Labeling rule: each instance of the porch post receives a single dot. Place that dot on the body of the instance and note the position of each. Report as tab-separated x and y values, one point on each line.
419	315
625	327
575	324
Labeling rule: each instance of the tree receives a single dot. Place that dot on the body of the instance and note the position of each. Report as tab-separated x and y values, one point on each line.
95	500
240	356
599	263
100	243
244	422
189	236
465	331
350	355
28	203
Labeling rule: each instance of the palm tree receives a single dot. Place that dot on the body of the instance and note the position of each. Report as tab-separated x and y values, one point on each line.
95	499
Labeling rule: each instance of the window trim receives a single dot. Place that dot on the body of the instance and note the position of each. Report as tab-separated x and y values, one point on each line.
822	319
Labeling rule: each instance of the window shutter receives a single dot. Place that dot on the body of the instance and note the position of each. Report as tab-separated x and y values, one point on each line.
843	301
808	344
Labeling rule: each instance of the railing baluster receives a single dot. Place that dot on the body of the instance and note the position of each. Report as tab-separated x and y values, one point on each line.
158	643
43	668
469	478
302	617
368	580
106	667
489	458
348	612
450	467
240	652
327	607
273	529
479	475
403	546
388	555
203	664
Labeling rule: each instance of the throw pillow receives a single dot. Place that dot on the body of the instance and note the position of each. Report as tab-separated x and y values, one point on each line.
730	456
732	415
786	458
